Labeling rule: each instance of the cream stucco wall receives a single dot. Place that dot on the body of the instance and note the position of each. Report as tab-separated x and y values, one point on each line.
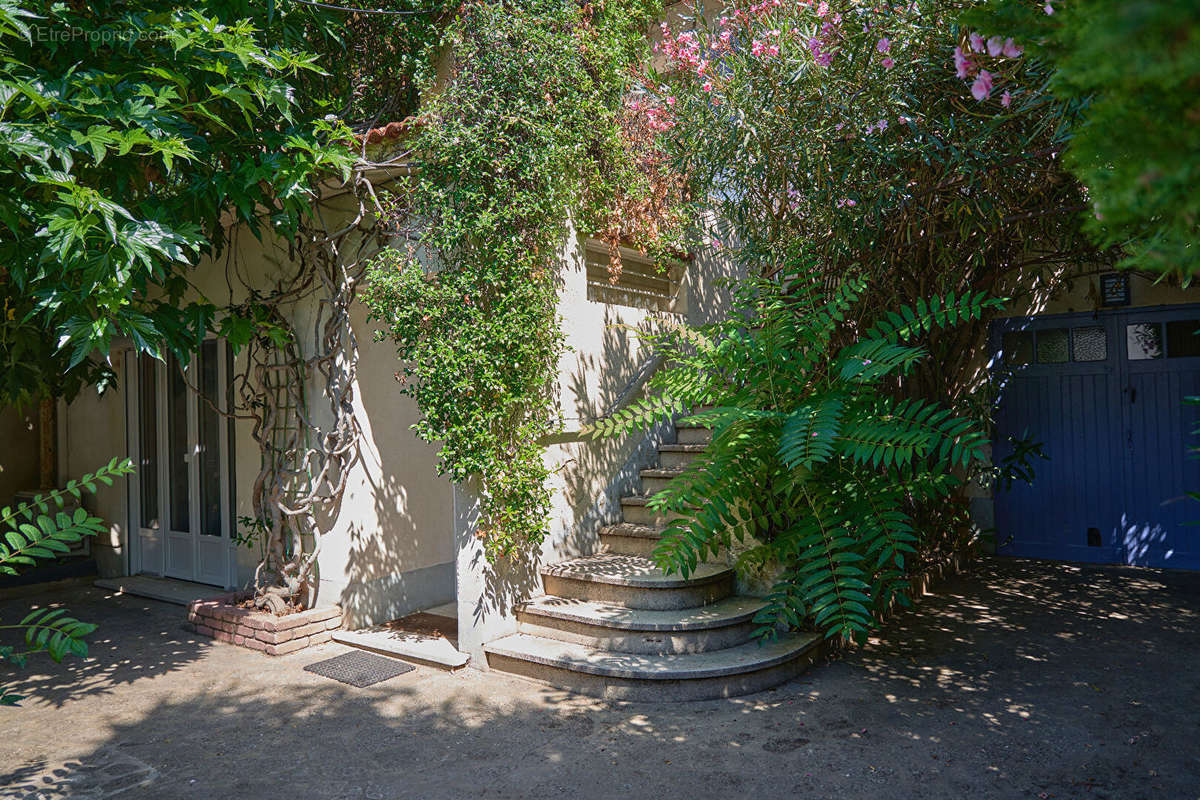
388	548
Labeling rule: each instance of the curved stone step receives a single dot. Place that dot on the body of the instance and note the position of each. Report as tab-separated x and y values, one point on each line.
630	539
747	668
636	582
676	456
604	626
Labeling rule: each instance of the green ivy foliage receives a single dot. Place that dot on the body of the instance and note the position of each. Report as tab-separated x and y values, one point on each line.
41	530
1136	66
815	465
522	141
131	135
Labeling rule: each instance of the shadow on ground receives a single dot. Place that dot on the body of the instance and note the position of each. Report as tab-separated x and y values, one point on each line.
1022	679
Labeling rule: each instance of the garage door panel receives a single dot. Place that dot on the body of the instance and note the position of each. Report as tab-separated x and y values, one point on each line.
1116	429
1159	525
1071	491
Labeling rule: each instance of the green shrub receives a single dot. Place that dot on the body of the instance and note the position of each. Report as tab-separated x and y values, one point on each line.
817	457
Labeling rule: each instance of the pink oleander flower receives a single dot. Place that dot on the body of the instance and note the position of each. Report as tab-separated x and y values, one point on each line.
823	59
1006	99
1011	50
995	46
881	126
888	63
1049	9
822	8
846	202
976	43
669	100
982	87
773	50
707	86
883	45
962	64
757	47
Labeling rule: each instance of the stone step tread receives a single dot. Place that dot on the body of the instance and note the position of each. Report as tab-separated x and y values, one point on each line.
417	646
682	448
730	611
659	472
626	570
749	657
633	530
638	500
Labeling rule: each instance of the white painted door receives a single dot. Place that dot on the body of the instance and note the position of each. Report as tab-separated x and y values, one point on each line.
183	496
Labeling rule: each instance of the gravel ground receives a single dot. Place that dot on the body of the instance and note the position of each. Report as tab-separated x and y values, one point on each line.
1020	679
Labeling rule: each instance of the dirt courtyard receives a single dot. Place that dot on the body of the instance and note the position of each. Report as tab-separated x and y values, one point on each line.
1019	679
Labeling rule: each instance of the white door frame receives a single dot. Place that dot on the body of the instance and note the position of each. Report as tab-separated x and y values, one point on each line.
150	548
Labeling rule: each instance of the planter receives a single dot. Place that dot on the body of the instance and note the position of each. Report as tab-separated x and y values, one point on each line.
224	621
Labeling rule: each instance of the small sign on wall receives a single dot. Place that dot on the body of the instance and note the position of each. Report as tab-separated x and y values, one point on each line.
1114	289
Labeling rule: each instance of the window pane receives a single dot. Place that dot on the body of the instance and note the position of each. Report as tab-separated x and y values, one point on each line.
210	442
177	442
1089	344
1052	346
148	439
1183	338
229	432
1143	341
1018	348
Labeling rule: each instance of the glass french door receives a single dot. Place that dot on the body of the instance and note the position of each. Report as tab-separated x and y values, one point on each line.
183	501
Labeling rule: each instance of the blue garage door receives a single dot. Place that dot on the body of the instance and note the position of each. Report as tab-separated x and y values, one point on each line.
1104	394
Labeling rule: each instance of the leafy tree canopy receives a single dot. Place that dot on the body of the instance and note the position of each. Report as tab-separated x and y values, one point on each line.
132	135
1137	146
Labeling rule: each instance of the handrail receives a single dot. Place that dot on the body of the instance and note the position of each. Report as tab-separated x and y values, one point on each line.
627	395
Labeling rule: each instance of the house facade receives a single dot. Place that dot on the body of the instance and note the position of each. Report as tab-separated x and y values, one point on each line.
402	538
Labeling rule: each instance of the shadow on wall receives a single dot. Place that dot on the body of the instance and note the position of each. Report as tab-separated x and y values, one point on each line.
596	473
399	549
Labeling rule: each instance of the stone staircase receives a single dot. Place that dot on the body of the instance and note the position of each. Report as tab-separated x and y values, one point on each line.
613	625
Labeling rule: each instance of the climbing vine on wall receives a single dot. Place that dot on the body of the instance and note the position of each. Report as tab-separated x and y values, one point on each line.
522	140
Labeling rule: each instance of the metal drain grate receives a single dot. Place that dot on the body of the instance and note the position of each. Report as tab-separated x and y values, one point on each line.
360	669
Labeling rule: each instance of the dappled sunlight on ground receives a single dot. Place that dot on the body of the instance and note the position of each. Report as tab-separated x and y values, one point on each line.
1021	680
